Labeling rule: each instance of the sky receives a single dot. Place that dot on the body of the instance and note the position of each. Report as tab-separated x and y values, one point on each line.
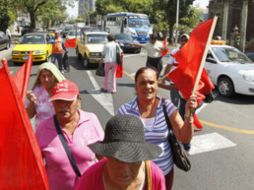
201	3
73	11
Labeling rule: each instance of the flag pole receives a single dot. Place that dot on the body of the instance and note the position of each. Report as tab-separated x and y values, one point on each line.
204	56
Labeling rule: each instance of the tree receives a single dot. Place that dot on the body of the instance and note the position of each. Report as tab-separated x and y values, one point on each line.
35	7
7	14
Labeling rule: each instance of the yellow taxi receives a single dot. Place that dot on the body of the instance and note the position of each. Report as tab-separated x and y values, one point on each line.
39	43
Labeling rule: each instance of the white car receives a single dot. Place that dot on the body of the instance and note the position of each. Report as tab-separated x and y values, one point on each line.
230	70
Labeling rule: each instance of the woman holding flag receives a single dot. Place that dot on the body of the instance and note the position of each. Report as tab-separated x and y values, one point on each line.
149	108
38	104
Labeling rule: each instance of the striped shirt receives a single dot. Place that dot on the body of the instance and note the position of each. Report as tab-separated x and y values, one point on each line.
159	133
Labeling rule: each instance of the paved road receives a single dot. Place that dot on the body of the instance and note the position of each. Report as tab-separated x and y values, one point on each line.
222	154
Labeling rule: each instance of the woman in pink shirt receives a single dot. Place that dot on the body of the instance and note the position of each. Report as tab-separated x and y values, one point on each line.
38	104
126	165
79	129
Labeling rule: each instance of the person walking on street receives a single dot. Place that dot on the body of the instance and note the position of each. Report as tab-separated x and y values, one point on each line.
154	53
109	53
37	103
8	33
126	164
58	50
148	106
70	129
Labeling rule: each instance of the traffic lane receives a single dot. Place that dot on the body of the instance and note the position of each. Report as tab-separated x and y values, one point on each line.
224	168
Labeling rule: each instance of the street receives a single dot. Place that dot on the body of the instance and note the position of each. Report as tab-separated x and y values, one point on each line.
222	153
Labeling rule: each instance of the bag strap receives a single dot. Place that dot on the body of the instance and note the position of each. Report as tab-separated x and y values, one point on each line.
166	115
148	174
66	148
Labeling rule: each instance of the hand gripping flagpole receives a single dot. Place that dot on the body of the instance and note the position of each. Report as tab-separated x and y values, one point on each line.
203	60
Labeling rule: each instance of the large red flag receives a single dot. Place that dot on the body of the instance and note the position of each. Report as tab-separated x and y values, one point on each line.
22	76
189	58
21	164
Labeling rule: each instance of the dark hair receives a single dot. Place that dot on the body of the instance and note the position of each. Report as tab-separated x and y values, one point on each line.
111	38
143	69
153	36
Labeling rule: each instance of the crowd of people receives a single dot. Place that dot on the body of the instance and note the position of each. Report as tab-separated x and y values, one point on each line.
132	154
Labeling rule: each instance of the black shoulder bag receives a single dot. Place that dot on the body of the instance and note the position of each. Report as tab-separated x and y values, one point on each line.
66	148
180	157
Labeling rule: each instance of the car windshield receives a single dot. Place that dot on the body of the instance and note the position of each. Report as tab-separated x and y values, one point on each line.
226	54
123	37
33	39
96	39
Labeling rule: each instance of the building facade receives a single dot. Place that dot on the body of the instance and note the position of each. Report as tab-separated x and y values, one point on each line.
235	23
86	6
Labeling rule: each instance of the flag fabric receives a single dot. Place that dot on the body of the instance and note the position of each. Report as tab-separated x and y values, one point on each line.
189	58
119	69
22	76
70	43
20	160
166	50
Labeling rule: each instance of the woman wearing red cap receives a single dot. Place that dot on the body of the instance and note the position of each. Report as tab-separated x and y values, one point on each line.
64	138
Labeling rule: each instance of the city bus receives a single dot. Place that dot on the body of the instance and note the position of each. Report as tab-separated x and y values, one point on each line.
136	25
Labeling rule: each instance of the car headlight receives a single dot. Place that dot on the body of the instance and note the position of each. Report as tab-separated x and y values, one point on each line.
248	75
15	52
121	44
38	52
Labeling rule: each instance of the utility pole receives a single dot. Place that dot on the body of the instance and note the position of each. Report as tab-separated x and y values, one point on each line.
177	21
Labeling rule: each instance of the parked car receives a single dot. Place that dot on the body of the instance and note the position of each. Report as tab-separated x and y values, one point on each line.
4	41
38	43
90	46
250	55
127	43
230	70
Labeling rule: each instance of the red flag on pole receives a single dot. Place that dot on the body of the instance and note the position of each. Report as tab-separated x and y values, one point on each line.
20	161
22	76
190	58
70	43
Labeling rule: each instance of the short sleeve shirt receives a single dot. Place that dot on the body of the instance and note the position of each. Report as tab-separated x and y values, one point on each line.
153	50
60	173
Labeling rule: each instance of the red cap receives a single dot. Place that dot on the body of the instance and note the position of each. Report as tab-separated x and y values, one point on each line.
65	90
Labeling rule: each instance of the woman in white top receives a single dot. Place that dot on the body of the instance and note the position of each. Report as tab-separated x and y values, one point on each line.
109	52
38	104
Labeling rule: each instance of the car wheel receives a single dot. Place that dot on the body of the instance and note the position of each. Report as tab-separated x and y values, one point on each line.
86	62
78	54
226	87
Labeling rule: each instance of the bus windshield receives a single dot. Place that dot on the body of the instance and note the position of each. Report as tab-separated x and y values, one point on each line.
138	23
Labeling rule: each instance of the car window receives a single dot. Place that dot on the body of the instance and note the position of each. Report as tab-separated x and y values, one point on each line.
225	54
96	39
33	39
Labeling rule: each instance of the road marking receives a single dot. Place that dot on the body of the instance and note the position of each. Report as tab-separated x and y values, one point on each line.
209	142
104	99
226	128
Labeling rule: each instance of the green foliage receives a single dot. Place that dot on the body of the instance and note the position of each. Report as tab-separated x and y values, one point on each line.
7	14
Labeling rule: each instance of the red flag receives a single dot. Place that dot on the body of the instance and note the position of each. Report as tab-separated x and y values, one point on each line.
20	161
119	69
70	43
22	76
189	58
164	52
